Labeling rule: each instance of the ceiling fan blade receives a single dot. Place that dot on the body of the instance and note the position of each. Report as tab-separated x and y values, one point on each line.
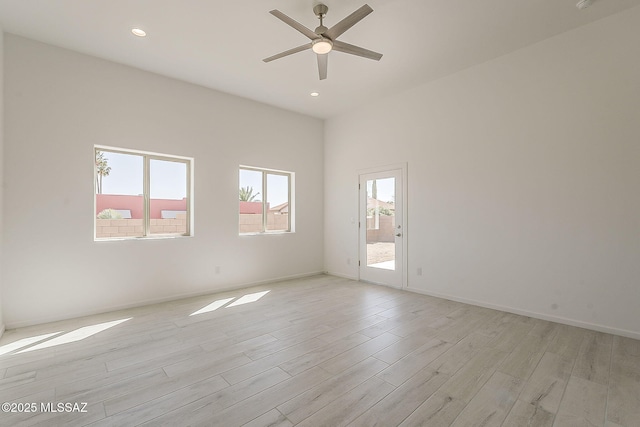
355	50
322	65
288	52
295	24
348	22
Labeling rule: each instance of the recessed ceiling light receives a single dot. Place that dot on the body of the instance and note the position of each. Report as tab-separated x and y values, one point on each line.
138	32
314	94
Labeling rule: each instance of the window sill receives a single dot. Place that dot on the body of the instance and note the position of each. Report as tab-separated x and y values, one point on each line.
266	233
159	237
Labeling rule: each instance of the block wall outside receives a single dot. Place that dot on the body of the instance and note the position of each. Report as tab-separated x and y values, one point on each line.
385	230
252	223
106	228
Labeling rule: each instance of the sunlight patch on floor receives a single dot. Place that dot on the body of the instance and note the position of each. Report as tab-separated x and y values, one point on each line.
246	299
25	342
213	306
77	335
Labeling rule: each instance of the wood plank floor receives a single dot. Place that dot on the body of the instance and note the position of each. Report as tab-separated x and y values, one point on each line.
319	351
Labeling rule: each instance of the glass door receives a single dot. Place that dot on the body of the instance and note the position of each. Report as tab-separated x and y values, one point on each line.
381	228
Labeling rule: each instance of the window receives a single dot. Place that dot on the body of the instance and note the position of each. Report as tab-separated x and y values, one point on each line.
139	194
265	200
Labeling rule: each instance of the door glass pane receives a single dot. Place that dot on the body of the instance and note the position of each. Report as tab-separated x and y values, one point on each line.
168	197
119	200
381	247
277	202
250	201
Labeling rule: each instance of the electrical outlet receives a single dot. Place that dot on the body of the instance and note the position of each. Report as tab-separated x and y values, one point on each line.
419	271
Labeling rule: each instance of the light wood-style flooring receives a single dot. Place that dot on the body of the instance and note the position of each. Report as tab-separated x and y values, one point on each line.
319	351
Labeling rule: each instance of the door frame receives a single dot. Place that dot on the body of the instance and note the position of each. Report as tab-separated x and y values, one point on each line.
405	224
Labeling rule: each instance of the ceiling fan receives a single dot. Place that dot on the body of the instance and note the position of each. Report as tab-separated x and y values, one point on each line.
323	39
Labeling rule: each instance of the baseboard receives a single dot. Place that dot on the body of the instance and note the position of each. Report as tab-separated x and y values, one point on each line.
344	276
541	316
382	284
74	315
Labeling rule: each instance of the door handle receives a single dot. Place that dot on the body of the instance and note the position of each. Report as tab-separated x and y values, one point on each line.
399	235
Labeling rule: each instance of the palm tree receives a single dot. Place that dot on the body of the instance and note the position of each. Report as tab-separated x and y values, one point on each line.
246	194
102	169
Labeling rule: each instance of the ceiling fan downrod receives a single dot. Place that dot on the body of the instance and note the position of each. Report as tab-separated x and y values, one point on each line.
321	11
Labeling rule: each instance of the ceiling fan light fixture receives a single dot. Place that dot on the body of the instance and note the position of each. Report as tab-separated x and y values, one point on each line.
322	46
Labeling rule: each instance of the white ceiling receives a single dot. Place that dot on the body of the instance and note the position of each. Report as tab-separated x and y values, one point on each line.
221	44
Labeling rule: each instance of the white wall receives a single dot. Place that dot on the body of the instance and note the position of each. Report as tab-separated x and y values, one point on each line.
1	166
524	178
58	105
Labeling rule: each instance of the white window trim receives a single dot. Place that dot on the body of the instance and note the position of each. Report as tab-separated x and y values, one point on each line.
291	187
147	156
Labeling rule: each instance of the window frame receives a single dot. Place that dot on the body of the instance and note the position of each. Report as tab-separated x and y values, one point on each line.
147	156
290	187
